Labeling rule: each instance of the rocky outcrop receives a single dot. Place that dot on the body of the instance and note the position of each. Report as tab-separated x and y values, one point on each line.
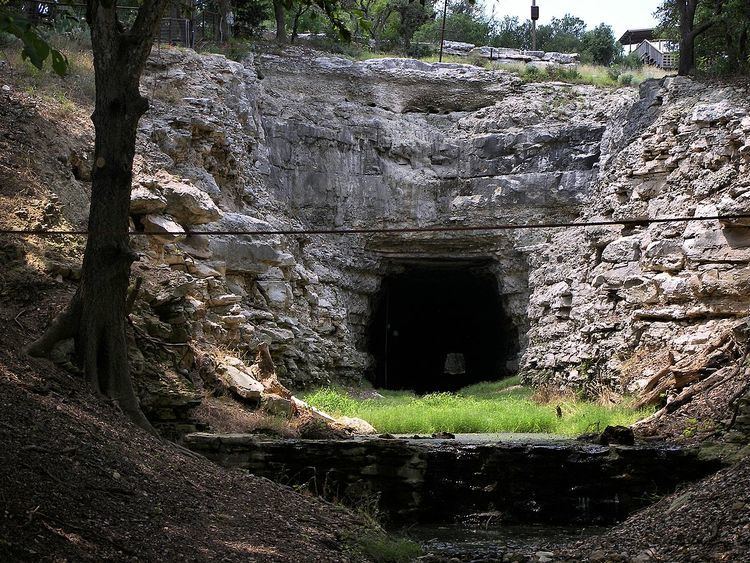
389	143
303	141
654	287
504	55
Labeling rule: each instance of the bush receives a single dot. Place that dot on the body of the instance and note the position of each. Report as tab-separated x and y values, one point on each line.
6	39
614	73
632	62
419	50
626	79
563	74
531	73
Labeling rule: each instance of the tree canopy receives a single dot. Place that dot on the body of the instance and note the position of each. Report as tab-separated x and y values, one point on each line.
714	35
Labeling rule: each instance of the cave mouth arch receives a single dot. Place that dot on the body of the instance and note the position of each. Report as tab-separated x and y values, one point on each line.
440	326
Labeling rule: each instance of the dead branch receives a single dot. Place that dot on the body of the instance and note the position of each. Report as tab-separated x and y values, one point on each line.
688	371
18	316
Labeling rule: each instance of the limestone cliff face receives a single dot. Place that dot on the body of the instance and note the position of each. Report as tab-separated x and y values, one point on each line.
300	141
660	290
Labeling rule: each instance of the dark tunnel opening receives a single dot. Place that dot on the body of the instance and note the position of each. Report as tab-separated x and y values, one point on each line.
440	326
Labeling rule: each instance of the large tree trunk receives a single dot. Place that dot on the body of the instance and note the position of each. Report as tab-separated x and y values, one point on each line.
689	31
96	316
279	14
687	38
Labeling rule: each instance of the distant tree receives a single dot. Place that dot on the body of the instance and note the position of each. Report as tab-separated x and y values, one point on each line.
466	21
510	32
599	45
722	25
377	19
733	30
689	30
249	15
562	34
330	9
413	14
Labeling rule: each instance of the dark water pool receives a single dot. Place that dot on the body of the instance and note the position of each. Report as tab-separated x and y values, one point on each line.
480	538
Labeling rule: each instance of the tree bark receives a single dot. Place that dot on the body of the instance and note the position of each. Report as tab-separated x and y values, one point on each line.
687	39
225	13
96	316
279	14
689	31
301	11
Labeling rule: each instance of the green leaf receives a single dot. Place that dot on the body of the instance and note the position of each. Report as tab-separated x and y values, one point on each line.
365	24
35	49
59	63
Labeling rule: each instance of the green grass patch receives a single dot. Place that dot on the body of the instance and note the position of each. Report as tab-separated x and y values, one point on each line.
490	407
381	548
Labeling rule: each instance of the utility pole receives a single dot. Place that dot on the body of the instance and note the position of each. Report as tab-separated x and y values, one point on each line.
534	18
442	29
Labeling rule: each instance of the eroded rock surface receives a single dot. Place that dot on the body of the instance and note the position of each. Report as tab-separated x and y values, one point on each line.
305	141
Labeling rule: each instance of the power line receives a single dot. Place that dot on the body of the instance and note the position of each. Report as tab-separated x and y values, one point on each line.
395	230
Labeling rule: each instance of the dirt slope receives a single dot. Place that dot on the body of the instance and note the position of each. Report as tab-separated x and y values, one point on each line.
79	482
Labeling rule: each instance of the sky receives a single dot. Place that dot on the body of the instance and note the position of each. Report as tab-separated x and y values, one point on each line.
620	14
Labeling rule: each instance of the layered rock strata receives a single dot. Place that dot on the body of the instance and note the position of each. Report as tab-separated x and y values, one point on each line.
301	141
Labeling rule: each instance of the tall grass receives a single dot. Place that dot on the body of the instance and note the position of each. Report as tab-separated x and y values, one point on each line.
481	408
77	87
602	76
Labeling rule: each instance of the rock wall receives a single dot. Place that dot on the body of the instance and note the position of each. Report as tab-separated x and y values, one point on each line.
615	304
302	141
410	481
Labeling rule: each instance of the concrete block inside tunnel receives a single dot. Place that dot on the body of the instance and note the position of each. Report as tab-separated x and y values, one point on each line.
439	326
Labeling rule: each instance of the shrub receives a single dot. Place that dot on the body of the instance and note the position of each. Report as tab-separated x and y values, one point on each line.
614	73
632	62
419	50
563	74
626	79
531	73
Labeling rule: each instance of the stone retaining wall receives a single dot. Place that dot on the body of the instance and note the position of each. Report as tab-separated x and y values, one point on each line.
437	480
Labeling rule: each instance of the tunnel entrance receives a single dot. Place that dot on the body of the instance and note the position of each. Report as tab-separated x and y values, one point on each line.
440	326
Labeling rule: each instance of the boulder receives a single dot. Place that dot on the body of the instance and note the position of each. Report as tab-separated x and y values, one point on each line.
278	406
457	48
502	54
146	202
664	256
710	114
188	204
617	435
562	58
624	249
278	293
241	384
356	425
164	228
